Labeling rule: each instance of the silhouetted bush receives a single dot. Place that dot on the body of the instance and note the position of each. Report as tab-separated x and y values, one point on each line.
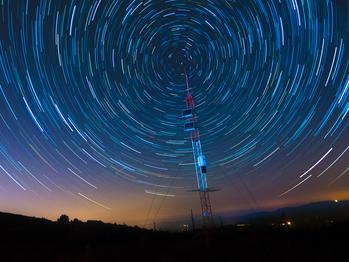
63	219
76	221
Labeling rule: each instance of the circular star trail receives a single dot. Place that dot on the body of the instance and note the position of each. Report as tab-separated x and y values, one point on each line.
92	92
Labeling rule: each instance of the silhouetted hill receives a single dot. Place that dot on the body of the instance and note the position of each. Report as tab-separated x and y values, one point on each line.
34	239
8	219
312	214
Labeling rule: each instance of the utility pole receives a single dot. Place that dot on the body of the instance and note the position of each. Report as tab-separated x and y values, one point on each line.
192	220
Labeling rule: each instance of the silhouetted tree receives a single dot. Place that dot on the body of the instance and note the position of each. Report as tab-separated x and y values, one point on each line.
64	219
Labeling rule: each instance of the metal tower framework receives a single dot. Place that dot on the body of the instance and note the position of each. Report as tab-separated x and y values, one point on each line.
191	126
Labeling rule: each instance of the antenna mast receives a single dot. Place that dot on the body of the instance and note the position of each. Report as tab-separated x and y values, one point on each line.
191	126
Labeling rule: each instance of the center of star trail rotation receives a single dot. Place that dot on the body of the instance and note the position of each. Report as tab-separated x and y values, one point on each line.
92	92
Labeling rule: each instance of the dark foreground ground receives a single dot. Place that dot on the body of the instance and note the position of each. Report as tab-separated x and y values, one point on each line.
29	239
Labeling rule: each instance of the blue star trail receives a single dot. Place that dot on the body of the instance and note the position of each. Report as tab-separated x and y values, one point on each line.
91	94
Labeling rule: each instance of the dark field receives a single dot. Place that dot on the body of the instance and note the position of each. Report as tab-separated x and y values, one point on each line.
31	239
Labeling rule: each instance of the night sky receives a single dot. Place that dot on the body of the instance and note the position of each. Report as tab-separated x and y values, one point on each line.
91	94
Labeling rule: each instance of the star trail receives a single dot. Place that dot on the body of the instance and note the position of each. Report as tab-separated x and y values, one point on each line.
91	96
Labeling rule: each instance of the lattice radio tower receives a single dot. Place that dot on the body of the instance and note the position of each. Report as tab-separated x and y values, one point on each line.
191	126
